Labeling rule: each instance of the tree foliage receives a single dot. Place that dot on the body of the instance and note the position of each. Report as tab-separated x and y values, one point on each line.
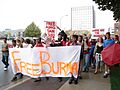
112	5
32	31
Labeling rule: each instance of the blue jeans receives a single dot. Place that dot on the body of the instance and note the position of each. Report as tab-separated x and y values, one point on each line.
5	60
86	62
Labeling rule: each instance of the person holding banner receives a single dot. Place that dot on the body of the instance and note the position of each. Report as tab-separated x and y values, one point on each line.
60	42
19	74
39	44
19	43
27	44
74	43
68	41
80	42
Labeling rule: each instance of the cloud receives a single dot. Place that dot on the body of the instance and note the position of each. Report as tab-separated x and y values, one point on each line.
17	14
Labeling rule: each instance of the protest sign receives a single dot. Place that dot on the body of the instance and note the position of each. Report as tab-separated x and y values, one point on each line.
97	33
51	29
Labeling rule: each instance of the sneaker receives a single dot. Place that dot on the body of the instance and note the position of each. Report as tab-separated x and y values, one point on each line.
47	78
108	73
5	69
37	80
14	79
105	75
80	77
7	66
93	67
60	79
71	80
21	76
87	70
95	72
76	81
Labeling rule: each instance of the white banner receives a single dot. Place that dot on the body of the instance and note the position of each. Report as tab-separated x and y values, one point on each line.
41	62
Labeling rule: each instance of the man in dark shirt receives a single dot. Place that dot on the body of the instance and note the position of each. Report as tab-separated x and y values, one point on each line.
5	54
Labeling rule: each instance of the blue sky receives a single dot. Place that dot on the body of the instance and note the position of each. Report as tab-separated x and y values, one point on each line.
17	14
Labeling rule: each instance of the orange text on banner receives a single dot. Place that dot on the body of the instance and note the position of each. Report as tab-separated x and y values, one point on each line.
57	68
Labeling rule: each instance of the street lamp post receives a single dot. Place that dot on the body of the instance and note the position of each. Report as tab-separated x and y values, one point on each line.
61	20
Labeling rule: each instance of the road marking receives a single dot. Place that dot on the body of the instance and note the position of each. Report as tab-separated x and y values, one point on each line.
62	87
18	83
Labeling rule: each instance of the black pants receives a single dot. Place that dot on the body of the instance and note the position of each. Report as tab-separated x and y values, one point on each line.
5	60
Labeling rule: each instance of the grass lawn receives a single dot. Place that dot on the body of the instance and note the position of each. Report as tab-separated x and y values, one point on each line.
115	78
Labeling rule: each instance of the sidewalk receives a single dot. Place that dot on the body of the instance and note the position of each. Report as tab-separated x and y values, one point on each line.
90	81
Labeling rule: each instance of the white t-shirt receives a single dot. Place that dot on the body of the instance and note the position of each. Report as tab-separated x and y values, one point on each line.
27	46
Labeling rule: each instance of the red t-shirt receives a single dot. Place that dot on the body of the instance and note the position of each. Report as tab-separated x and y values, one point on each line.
63	43
39	45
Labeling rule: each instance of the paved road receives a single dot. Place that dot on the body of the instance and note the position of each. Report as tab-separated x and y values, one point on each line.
89	82
5	76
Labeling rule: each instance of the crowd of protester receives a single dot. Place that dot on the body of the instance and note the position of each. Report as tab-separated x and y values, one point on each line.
90	57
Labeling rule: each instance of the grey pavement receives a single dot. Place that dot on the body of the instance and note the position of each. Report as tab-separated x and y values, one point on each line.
5	76
51	84
90	81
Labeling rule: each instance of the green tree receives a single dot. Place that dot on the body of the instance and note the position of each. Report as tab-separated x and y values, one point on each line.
32	31
112	5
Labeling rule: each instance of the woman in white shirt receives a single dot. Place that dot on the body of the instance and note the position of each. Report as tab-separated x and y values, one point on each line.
27	44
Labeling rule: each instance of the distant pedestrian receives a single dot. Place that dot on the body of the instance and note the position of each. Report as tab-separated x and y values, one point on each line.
5	54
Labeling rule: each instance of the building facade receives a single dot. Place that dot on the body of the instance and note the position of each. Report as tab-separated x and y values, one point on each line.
13	33
82	18
117	28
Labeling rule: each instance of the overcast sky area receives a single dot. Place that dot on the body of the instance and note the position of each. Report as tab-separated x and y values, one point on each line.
18	14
